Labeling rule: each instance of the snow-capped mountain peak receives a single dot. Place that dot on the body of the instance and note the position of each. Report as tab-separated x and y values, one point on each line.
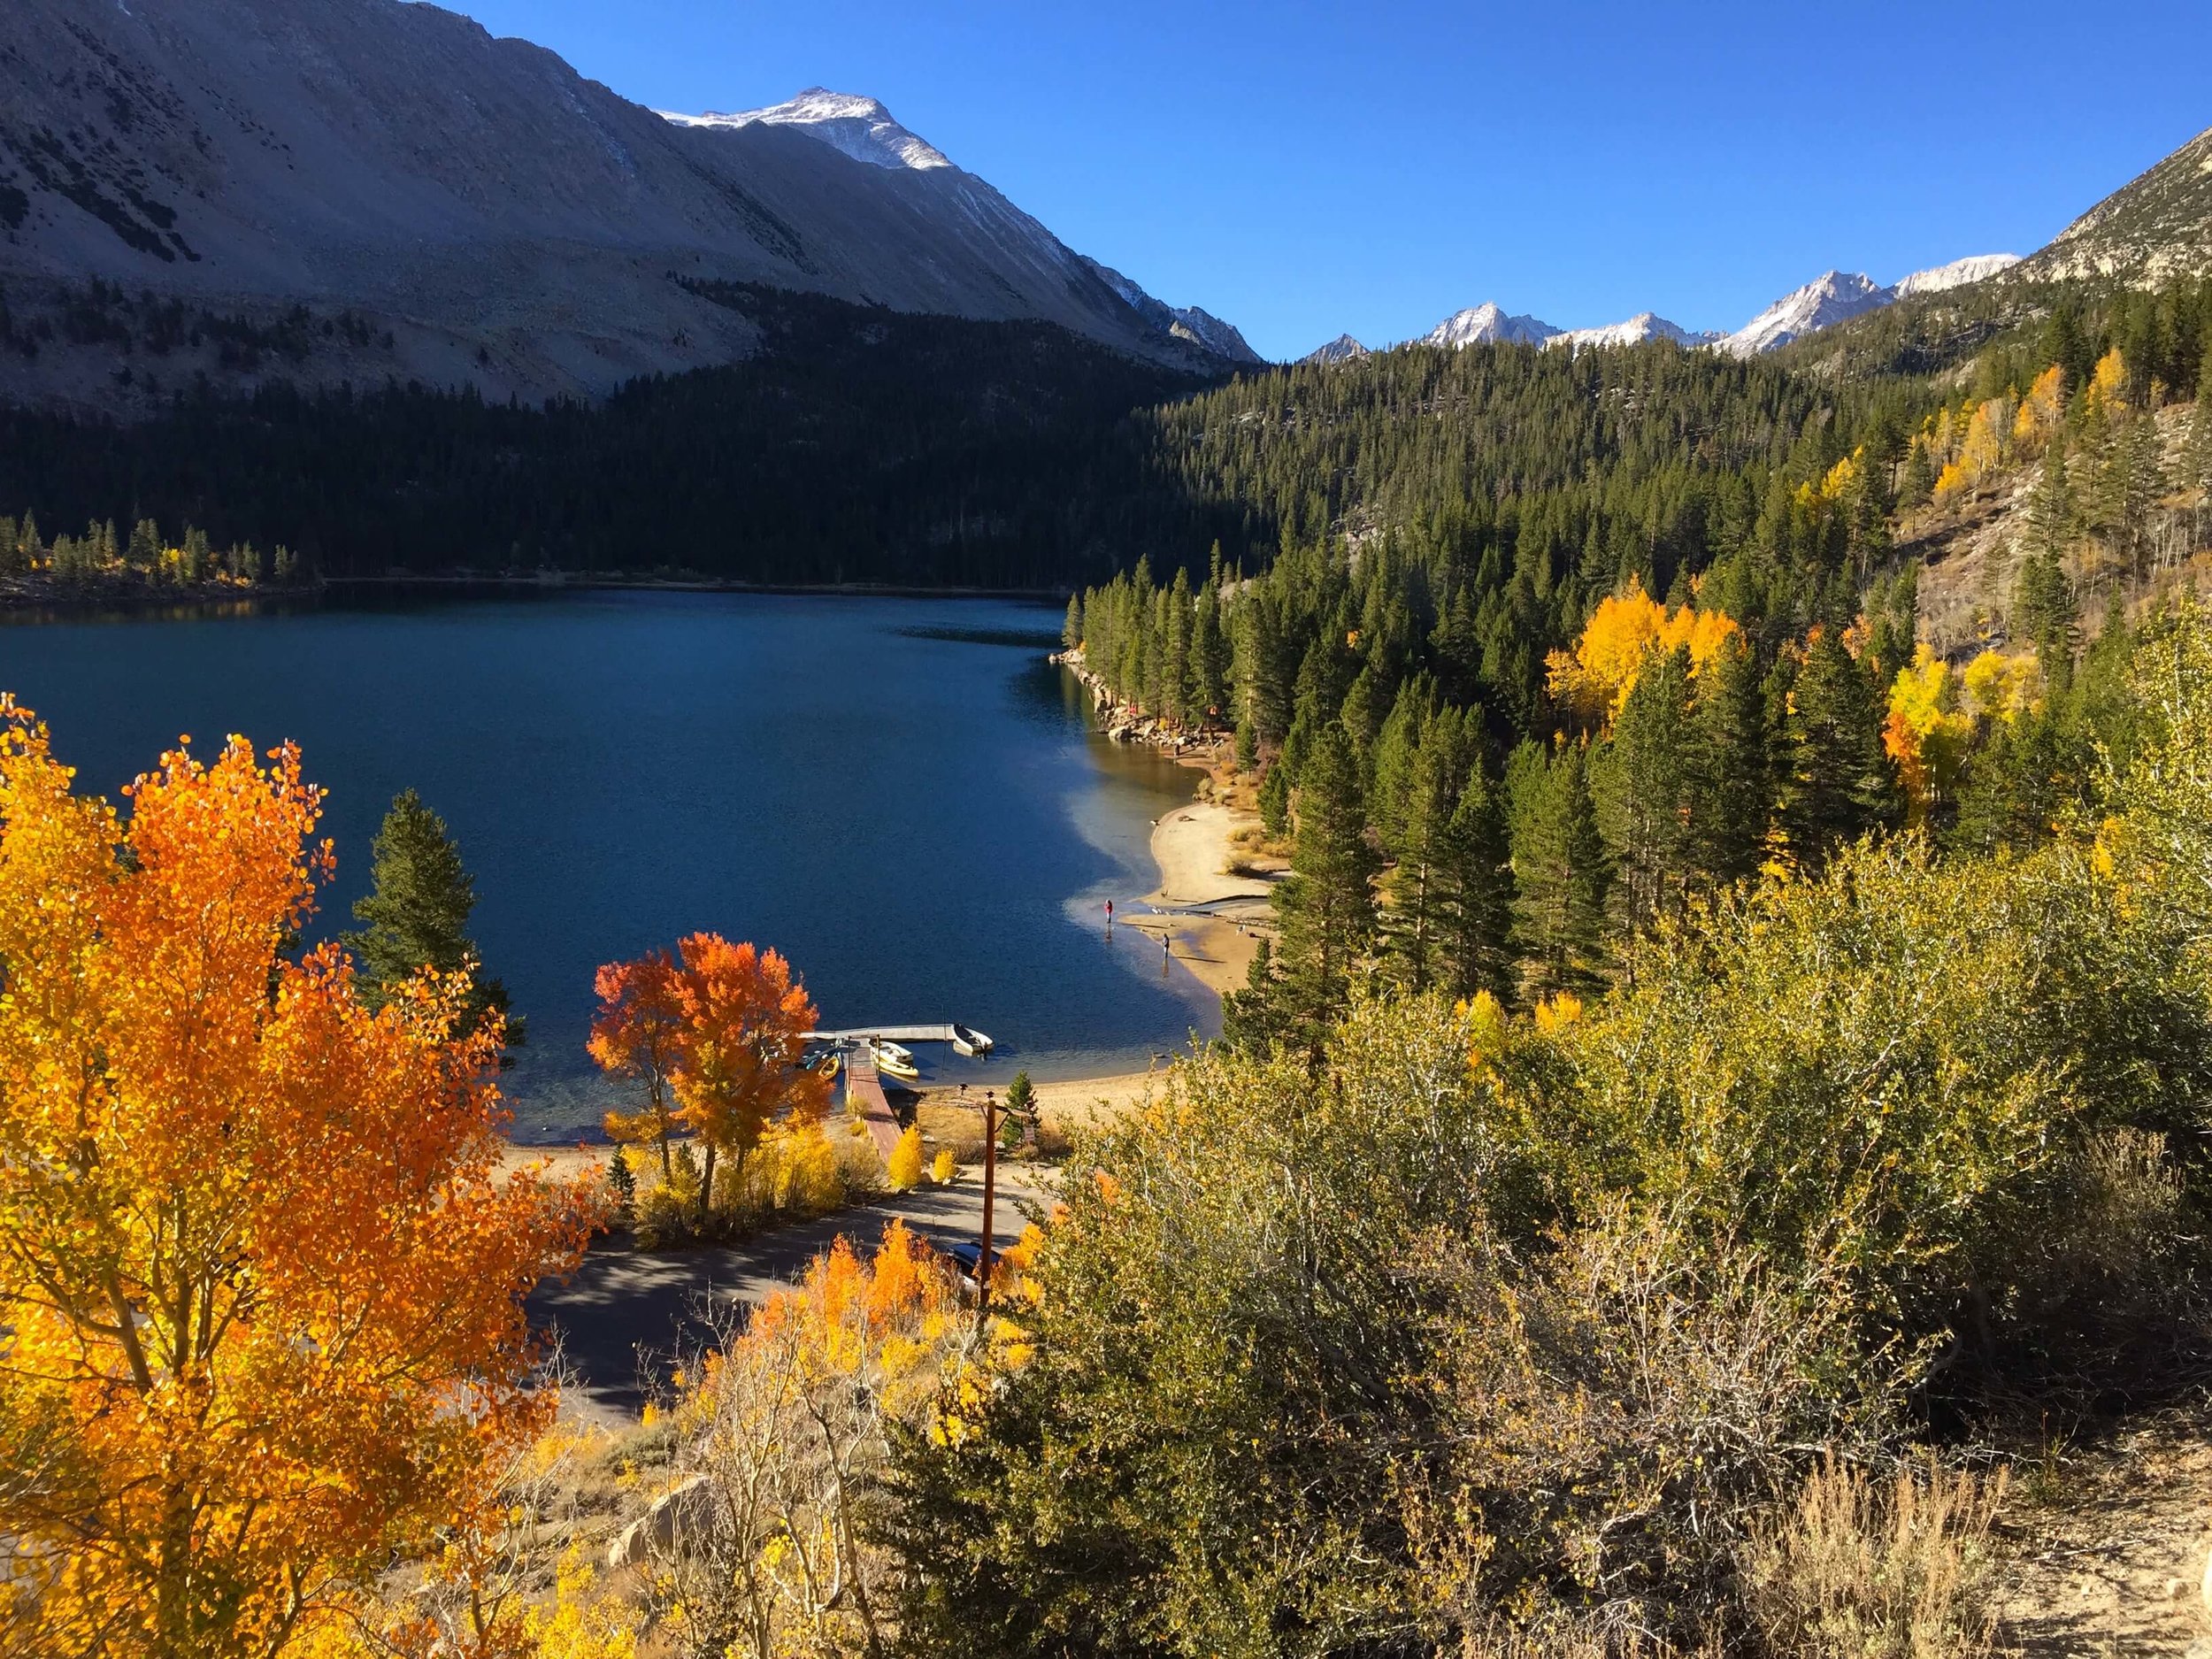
1820	303
1974	268
1642	327
1487	322
859	126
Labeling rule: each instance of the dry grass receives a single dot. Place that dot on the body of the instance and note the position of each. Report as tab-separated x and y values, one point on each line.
1860	1567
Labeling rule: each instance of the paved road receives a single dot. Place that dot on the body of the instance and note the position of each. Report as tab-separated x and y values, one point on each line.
624	1316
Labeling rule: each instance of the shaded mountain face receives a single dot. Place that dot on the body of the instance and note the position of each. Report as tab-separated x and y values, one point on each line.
488	213
2151	229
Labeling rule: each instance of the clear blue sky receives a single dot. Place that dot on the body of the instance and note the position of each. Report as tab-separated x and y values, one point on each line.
1305	169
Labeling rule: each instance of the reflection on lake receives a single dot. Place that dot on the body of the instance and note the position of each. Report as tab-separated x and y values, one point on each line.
900	794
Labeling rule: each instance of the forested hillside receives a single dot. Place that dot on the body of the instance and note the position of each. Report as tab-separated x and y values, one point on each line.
1574	641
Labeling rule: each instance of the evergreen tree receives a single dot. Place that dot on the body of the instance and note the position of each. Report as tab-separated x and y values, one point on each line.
1420	776
417	913
1325	907
1643	781
1731	790
1838	785
1071	628
1473	897
1561	878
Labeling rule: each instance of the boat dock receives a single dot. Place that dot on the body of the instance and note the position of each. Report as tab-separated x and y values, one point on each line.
888	1034
864	1091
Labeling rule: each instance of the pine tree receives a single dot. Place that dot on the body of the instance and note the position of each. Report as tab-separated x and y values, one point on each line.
1325	907
1642	779
1561	878
1731	782
417	913
1071	628
1473	898
1838	785
1419	777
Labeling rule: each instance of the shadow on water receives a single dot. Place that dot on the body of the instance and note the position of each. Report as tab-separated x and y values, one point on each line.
919	815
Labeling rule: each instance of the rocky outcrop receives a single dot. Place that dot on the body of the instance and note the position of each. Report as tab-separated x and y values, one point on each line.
685	1508
1125	723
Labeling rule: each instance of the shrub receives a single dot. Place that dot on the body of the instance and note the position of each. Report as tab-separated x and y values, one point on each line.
904	1169
944	1170
1860	1567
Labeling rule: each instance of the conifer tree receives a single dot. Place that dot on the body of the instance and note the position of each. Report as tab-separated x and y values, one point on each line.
1643	781
1071	628
1561	878
1325	907
417	913
1473	898
1838	785
1421	787
1731	789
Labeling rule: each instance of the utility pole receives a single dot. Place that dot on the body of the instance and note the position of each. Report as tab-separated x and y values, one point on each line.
990	1183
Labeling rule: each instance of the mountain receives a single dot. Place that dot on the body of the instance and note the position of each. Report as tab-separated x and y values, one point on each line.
1201	329
1974	268
2155	227
1819	304
1485	323
856	127
1642	327
452	207
1343	349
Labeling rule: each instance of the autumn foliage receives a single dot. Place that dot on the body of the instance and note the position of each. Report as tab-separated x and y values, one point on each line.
715	1030
260	1281
1621	635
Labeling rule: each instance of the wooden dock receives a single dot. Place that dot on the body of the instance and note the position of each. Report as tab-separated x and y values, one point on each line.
864	1090
888	1034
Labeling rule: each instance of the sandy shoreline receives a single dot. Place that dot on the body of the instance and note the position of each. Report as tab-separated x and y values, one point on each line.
1207	911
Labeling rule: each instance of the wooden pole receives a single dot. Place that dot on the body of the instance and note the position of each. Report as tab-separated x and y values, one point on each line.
990	1183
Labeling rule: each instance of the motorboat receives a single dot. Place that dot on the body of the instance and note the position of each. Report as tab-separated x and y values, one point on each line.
893	1060
967	1041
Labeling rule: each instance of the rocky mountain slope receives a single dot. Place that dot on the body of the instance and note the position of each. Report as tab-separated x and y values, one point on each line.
1485	323
476	209
2154	227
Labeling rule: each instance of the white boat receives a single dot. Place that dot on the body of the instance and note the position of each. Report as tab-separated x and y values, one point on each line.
969	1041
893	1060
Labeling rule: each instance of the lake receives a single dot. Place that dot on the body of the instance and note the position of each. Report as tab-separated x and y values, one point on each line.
902	796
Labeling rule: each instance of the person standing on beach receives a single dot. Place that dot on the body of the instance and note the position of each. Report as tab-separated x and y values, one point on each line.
1109	916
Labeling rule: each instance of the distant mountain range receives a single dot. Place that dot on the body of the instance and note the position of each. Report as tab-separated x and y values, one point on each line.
484	212
1820	303
2157	227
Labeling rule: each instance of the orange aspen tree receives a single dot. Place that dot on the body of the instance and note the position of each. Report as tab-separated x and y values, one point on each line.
745	1023
638	1031
261	1282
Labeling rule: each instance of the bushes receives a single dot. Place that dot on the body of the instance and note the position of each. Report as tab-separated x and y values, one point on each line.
1861	1568
796	1172
1494	1332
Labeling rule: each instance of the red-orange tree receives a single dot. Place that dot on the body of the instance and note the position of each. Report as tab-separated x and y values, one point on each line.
260	1284
638	1031
745	1025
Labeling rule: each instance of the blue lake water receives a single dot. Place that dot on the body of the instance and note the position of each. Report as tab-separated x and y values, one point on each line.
902	796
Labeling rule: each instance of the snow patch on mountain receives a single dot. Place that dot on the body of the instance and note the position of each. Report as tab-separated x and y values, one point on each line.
1642	327
1486	323
1820	303
860	128
1974	268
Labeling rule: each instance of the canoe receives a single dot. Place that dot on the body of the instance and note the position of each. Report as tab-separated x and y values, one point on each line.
969	1041
894	1061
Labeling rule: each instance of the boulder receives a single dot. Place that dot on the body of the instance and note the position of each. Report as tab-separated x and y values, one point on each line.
687	1508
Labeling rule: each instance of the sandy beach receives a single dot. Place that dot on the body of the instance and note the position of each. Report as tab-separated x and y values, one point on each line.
1210	912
